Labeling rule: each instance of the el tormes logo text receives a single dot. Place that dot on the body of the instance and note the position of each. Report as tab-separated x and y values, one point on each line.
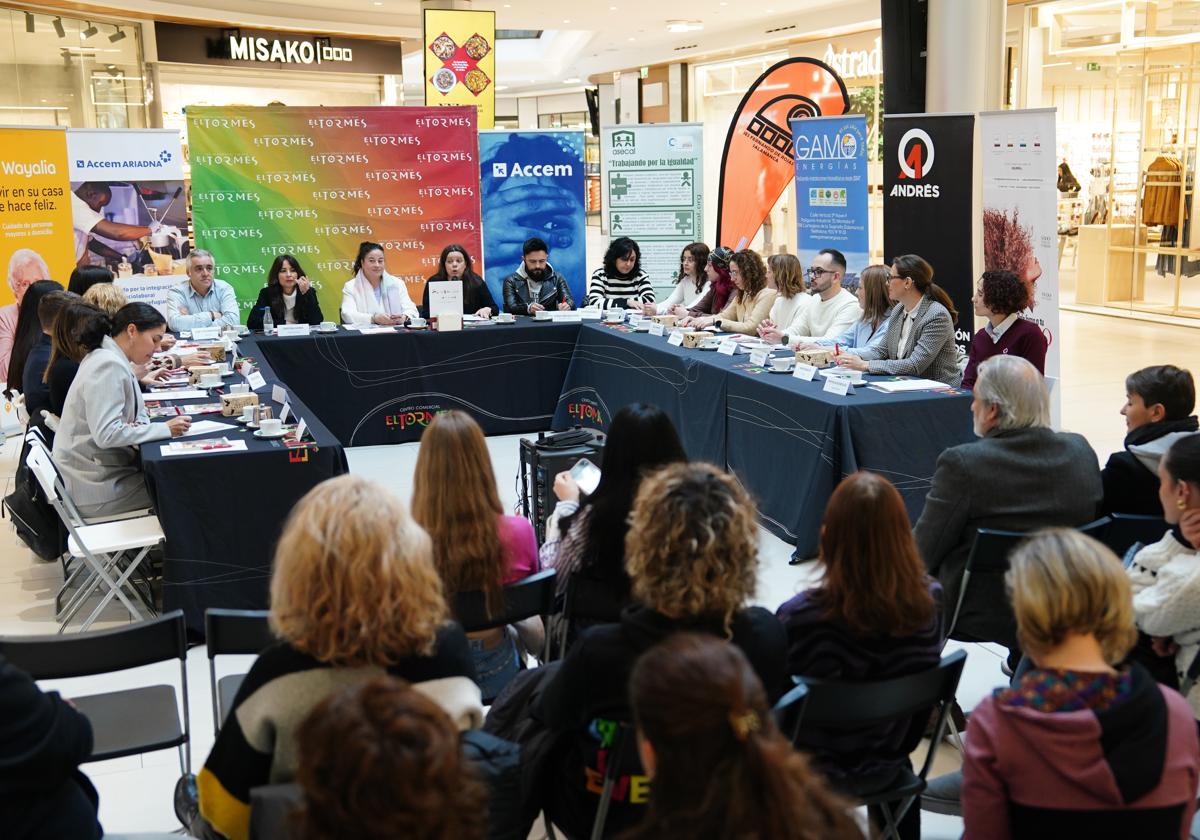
418	417
915	156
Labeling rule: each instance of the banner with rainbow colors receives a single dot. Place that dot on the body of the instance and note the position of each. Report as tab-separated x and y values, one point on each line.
315	182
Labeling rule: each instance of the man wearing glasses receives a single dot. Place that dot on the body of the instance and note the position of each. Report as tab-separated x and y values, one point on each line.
834	311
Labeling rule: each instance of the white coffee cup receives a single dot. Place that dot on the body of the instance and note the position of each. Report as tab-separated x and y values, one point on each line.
417	322
248	412
783	362
614	316
270	426
210	380
328	326
240	388
506	317
243	330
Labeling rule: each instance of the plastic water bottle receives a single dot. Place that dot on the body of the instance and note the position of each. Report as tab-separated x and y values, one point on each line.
268	321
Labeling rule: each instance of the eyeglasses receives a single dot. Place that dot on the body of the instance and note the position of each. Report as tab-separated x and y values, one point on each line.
815	272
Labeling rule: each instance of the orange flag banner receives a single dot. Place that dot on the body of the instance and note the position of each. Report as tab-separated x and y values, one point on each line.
758	163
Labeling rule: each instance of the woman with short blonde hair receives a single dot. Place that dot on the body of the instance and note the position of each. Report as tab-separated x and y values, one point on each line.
1078	746
354	596
106	297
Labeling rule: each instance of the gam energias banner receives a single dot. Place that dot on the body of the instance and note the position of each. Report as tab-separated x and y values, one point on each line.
831	189
460	61
927	183
532	184
315	182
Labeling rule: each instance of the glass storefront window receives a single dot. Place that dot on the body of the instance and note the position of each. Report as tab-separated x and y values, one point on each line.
69	72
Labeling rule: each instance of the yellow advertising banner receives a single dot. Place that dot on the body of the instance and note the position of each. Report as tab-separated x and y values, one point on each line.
460	61
37	240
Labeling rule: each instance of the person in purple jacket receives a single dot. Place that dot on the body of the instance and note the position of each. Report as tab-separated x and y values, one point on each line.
1001	297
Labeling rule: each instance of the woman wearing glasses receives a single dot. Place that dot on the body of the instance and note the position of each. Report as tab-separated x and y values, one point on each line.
920	334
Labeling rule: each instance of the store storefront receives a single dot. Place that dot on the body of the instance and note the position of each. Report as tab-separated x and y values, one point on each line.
71	72
1125	78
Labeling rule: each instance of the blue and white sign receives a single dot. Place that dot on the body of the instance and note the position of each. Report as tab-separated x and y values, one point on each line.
531	184
831	188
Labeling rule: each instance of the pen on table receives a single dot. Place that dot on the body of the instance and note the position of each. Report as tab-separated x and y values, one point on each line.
837	349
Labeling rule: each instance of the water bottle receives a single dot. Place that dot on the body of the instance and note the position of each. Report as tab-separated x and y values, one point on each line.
268	321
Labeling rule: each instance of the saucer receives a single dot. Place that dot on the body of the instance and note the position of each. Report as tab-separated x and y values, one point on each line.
506	323
324	332
708	346
246	422
259	433
788	371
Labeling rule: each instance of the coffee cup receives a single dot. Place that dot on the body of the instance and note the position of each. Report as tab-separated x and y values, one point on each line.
240	388
210	380
270	425
249	412
506	317
783	362
417	322
243	330
614	316
328	326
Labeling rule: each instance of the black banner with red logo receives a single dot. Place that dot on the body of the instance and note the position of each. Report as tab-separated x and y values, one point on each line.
927	199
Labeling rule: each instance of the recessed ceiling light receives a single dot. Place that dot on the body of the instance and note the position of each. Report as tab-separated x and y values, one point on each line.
566	21
684	25
632	39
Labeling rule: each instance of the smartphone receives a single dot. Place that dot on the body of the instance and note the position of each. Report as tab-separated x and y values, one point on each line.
586	475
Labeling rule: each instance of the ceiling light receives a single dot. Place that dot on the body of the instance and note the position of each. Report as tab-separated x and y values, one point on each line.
571	81
89	32
566	21
632	38
684	25
30	23
119	35
58	28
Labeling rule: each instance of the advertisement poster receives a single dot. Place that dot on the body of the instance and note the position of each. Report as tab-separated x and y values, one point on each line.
1020	211
927	201
757	163
316	182
35	211
460	61
831	189
531	184
129	209
653	181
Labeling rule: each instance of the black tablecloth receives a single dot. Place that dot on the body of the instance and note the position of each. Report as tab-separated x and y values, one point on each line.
222	513
385	388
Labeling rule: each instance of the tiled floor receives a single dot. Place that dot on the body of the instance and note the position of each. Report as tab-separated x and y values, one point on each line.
136	792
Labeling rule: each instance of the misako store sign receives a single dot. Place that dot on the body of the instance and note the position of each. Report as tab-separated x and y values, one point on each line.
241	47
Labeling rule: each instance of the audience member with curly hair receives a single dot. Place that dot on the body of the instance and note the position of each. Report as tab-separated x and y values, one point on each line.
354	595
692	554
720	767
1001	297
380	761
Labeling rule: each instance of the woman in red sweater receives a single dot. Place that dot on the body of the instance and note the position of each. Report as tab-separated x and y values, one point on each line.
1001	297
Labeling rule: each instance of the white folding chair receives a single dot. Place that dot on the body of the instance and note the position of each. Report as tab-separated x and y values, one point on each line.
101	547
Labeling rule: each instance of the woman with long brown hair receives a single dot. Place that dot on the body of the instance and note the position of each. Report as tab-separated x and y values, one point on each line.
785	275
720	767
475	546
691	283
873	616
751	300
868	331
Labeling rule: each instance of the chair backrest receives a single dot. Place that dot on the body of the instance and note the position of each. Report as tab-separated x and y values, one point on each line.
236	631
39	463
1126	529
990	550
1096	528
591	600
789	711
99	651
271	809
526	598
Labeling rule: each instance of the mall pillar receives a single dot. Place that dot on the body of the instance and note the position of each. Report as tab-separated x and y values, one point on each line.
965	56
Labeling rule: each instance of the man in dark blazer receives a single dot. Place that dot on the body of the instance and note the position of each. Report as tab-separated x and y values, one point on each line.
535	285
1020	476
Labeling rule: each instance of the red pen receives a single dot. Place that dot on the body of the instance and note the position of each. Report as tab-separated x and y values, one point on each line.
837	350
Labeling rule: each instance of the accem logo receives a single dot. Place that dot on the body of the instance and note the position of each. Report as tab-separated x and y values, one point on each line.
533	170
915	164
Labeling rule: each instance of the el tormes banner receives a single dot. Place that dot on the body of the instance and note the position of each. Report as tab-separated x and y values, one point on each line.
315	182
460	61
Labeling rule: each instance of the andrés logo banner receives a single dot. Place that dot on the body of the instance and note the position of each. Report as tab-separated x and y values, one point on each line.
757	164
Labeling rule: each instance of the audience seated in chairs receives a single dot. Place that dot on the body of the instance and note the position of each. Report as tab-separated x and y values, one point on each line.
692	554
873	616
640	439
37	361
475	546
28	331
1019	476
354	595
43	740
1166	575
1158	409
381	761
720	767
1078	748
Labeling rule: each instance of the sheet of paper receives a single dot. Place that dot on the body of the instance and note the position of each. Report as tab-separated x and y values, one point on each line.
207	427
176	394
899	386
199	447
445	297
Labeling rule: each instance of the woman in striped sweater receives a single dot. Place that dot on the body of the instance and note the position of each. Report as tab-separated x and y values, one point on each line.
620	283
873	616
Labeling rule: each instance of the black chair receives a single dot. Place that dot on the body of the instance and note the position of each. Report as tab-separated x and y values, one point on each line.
231	632
525	598
790	710
1127	529
850	705
589	602
128	722
271	811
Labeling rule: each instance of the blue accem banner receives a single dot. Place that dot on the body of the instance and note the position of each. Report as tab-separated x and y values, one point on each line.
831	189
531	184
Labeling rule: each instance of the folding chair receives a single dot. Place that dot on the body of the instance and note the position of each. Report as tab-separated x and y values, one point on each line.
851	705
100	546
1126	530
230	632
525	598
128	722
587	600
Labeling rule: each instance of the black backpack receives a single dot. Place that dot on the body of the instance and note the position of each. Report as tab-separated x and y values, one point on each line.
34	517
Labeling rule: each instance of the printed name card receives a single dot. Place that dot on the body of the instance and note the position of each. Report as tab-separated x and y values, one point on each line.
278	394
839	385
284	412
203	333
759	357
657	328
255	380
676	338
805	372
727	347
301	428
292	329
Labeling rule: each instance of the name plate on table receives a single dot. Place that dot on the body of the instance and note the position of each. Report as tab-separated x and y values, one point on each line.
202	333
839	385
758	358
727	347
255	380
805	372
284	412
293	329
301	428
658	328
676	338
572	317
278	394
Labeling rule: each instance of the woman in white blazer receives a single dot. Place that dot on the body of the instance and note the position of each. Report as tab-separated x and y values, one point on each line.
373	296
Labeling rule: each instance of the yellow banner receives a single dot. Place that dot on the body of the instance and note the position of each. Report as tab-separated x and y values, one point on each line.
460	61
36	237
